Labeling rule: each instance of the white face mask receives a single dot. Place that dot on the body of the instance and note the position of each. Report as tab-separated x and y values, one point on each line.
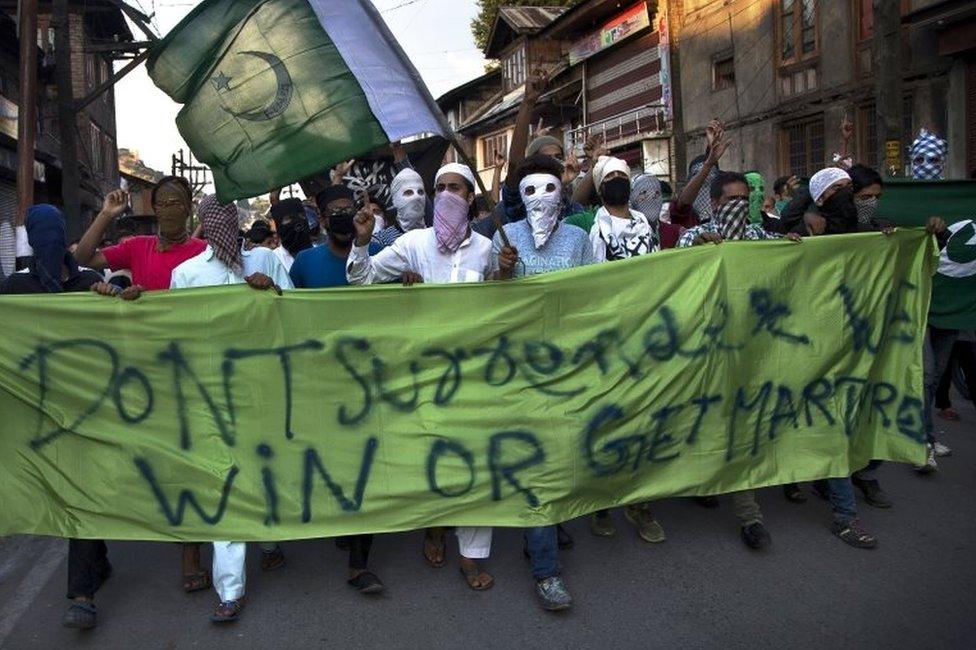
410	209
542	196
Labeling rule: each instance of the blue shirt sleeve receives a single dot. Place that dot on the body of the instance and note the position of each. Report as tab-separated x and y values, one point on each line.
296	274
512	202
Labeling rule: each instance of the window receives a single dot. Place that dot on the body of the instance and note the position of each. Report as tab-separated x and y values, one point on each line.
803	146
513	69
723	73
867	136
492	144
798	30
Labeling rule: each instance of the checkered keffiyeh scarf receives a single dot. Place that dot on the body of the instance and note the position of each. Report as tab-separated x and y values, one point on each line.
928	153
732	219
220	227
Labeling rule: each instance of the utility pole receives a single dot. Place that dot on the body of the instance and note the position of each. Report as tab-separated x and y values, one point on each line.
675	17
67	125
27	111
886	65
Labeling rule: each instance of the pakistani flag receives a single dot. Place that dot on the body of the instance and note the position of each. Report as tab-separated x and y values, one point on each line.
954	286
275	91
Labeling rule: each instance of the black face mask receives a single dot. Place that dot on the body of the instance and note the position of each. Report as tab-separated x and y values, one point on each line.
295	236
840	212
341	223
615	191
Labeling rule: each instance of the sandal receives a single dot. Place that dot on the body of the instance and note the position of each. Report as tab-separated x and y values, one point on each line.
80	616
434	548
271	560
227	611
196	581
367	583
476	578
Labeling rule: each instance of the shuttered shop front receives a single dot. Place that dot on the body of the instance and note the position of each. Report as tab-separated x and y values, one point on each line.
623	80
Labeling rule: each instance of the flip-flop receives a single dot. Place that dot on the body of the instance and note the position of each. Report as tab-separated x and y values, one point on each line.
440	546
474	573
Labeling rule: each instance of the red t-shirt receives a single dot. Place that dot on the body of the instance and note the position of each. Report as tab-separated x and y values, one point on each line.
152	269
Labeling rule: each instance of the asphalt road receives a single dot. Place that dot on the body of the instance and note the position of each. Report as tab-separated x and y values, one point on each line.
702	588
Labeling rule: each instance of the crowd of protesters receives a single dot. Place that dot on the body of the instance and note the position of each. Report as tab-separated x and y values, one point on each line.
554	212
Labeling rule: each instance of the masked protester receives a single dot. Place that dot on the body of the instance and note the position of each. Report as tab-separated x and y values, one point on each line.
619	232
928	154
325	266
867	186
293	231
448	252
731	218
757	196
223	263
410	202
540	243
54	270
151	259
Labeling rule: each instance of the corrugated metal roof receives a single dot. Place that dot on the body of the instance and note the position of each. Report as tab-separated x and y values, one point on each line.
528	20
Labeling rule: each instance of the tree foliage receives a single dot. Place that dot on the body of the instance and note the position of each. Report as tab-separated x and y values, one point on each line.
488	11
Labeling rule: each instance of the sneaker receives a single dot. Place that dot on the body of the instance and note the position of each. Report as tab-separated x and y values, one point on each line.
552	594
930	465
794	493
873	494
941	450
81	615
756	536
852	533
601	524
272	560
647	526
948	414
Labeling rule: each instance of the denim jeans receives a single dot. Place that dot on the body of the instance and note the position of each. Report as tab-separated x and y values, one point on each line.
543	547
935	358
840	492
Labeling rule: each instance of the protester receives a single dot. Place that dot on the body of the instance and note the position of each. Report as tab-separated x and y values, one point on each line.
294	234
783	189
410	203
447	253
928	155
618	232
260	234
963	357
223	263
731	210
324	266
151	259
53	269
540	244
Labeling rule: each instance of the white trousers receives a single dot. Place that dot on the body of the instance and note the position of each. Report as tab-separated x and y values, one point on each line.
229	573
474	543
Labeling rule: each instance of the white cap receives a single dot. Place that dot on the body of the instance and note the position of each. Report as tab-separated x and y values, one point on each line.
456	168
607	164
823	179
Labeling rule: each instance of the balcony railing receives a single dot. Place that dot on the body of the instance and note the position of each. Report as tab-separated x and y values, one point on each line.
647	121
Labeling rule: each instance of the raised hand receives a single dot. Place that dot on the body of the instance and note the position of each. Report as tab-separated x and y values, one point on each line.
115	203
571	168
507	259
365	222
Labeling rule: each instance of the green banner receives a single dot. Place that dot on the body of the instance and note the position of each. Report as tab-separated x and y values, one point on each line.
228	413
